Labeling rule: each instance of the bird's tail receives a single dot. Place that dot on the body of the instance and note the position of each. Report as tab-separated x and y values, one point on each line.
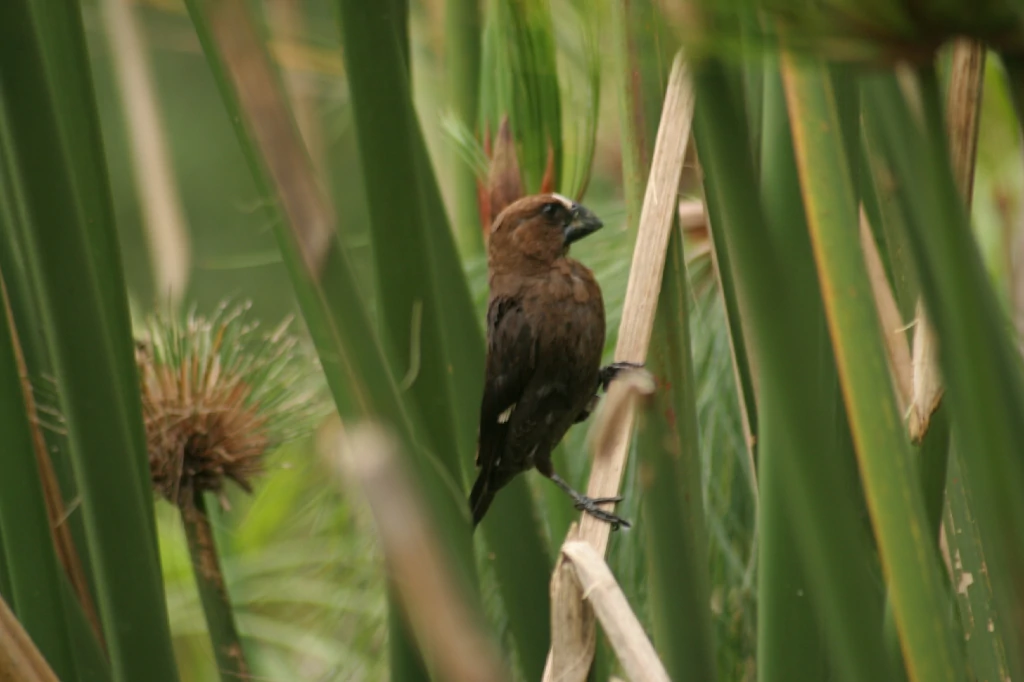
481	496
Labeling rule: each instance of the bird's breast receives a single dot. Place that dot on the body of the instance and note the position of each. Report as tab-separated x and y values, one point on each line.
580	290
571	324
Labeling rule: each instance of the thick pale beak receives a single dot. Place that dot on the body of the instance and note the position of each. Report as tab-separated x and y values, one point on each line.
583	222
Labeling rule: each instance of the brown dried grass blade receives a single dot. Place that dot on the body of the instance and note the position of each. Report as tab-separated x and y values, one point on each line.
963	107
570	656
20	660
635	652
55	508
452	641
893	329
927	380
963	110
693	218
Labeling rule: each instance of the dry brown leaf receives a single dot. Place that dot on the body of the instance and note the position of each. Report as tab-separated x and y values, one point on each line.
927	385
693	219
56	511
634	651
570	656
893	328
963	109
20	660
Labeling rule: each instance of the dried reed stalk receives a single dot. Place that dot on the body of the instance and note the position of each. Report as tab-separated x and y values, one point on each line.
893	329
963	110
20	660
636	653
573	633
56	511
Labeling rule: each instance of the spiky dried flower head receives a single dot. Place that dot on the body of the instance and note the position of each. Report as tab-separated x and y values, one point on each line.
217	395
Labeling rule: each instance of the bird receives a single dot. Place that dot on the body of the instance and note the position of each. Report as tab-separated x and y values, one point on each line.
545	335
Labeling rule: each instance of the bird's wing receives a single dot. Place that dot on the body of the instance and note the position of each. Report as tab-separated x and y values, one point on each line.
511	362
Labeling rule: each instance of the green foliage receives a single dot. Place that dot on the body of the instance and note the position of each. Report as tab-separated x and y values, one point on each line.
67	232
808	552
28	556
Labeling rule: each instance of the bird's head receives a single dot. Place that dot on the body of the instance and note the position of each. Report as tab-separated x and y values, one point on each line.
538	229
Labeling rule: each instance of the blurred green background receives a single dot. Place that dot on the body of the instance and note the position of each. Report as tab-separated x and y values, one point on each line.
302	565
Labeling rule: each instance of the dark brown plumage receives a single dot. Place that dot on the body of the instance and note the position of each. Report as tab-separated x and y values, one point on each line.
545	334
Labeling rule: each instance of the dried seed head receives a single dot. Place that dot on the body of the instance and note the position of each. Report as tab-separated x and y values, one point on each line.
217	395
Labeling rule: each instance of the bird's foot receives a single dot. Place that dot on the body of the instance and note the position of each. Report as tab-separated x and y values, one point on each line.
606	375
589	505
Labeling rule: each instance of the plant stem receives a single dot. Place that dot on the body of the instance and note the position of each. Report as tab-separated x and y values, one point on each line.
463	28
220	617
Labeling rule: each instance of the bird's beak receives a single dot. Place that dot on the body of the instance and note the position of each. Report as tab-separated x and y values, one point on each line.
583	222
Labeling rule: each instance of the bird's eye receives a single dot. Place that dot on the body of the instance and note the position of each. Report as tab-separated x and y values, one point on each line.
551	210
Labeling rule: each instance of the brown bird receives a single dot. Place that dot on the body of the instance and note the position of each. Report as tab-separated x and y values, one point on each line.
545	334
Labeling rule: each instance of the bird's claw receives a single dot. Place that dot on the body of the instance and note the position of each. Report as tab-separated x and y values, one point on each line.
607	374
589	505
602	500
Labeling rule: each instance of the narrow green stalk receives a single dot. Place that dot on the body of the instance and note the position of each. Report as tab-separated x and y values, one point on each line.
90	659
753	73
891	224
890	481
676	539
782	617
463	28
213	593
66	54
6	591
971	582
744	365
406	662
785	611
933	458
400	9
30	561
